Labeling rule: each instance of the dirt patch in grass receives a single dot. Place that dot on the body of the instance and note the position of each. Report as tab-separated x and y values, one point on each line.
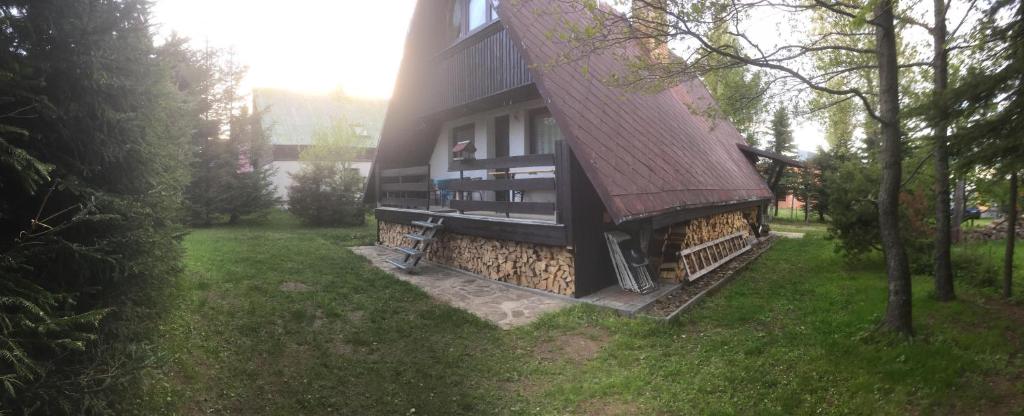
340	347
605	407
319	319
356	316
578	346
294	287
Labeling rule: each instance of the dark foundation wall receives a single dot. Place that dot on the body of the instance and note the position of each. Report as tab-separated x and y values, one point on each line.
594	270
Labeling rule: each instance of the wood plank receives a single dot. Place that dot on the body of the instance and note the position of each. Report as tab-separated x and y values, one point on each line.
503	162
405	187
499	206
533	184
545	234
410	171
687	214
405	202
563	182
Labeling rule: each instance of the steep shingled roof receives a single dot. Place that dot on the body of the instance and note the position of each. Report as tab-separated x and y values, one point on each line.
646	153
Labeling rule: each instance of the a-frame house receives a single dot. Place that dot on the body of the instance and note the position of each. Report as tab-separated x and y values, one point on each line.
533	165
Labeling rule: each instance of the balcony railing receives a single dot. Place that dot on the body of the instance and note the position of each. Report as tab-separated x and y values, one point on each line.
412	187
485	64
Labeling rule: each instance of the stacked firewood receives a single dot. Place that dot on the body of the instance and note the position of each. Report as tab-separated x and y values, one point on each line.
524	264
702	230
685	235
996	230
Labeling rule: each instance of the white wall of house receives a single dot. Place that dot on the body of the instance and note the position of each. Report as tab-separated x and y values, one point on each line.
484	126
284	169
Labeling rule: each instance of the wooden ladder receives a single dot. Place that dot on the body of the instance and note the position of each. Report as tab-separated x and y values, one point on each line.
701	259
421	241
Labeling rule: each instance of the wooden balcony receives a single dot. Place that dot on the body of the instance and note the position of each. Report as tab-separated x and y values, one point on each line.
485	64
469	204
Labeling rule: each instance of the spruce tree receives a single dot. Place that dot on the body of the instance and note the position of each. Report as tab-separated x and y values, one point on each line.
91	152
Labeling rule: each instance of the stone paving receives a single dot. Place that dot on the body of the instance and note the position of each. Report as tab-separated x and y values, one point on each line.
503	304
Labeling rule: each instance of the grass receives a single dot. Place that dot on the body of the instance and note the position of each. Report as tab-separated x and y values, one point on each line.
793	335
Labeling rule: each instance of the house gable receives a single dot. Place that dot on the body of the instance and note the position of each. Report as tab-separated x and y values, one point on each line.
645	154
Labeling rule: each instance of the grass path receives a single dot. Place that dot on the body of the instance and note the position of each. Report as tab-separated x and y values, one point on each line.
278	319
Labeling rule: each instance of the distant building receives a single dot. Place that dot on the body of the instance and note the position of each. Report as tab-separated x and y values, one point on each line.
789	200
293	118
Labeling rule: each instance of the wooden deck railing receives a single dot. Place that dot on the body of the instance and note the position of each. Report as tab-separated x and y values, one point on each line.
509	183
412	187
404	187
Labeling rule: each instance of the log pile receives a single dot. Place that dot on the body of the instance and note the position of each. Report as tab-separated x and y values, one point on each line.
995	231
702	230
536	266
696	232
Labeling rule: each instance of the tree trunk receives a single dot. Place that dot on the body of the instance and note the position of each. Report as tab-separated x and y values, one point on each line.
807	207
1011	237
898	313
943	264
959	205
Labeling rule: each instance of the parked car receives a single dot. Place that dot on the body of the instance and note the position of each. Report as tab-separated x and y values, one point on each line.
972	213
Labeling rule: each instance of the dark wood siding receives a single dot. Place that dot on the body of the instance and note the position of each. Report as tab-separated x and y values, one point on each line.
527	232
482	65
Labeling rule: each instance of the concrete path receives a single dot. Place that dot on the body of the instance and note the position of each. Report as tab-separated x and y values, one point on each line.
503	304
785	234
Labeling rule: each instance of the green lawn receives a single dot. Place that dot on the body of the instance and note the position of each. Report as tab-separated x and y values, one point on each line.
791	336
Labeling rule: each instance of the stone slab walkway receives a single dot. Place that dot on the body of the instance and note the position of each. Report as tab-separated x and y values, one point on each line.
785	234
503	304
629	303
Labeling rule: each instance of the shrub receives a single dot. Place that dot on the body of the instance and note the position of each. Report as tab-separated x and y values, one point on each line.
327	191
327	194
853	219
976	270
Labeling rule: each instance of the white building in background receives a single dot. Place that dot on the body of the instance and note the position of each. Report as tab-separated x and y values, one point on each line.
293	118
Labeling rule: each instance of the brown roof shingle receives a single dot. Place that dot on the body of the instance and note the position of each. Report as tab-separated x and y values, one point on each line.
646	153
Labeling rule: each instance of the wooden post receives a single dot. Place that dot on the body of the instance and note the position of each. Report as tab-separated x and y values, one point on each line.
430	184
376	185
563	186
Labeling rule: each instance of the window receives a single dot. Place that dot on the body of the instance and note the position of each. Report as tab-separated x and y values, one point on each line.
544	132
470	15
462	133
478	13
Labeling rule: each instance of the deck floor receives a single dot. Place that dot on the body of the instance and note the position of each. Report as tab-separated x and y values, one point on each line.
533	217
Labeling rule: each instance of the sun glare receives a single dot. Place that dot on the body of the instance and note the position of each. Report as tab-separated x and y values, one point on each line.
311	46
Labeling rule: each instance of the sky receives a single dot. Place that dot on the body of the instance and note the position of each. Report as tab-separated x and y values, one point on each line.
320	46
312	46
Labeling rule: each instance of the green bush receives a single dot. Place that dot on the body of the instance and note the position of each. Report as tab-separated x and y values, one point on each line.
853	212
327	191
327	194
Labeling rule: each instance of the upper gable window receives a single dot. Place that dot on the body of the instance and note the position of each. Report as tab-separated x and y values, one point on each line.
470	15
478	14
